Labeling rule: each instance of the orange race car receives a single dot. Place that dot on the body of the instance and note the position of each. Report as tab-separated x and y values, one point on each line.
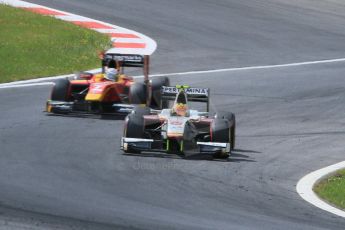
109	92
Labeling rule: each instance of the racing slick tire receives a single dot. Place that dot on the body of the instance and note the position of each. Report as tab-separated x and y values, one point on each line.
137	93
60	90
134	127
156	100
220	133
232	124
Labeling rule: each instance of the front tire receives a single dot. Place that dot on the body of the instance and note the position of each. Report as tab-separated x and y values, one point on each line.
135	126
60	90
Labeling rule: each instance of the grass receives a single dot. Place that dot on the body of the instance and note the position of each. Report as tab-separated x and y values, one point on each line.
32	45
332	189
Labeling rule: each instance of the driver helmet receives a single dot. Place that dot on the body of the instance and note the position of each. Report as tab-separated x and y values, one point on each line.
110	74
180	109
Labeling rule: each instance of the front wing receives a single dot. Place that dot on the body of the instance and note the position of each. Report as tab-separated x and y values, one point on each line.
141	144
85	107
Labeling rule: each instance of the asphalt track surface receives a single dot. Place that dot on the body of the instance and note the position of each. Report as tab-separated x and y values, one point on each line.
68	173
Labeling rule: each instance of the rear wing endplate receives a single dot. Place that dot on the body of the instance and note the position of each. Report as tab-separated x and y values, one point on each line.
193	94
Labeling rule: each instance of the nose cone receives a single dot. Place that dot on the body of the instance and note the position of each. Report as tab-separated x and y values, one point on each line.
181	98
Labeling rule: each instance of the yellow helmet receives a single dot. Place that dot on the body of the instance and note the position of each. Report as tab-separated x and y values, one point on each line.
180	109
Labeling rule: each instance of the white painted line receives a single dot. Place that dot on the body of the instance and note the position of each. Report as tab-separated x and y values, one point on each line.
26	85
38	80
248	68
327	61
190	72
305	188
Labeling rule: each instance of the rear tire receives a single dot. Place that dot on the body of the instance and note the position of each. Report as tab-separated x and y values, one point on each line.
220	133
60	90
225	115
137	93
233	135
156	100
232	124
141	111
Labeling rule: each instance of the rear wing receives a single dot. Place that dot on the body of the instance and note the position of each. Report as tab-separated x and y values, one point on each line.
193	94
131	59
125	60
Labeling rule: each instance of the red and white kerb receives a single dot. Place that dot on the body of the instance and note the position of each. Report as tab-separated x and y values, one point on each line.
123	40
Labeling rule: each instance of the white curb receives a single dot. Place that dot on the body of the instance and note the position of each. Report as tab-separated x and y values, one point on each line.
305	186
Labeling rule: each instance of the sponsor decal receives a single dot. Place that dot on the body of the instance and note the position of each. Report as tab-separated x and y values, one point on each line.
97	88
125	58
176	121
189	91
176	126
